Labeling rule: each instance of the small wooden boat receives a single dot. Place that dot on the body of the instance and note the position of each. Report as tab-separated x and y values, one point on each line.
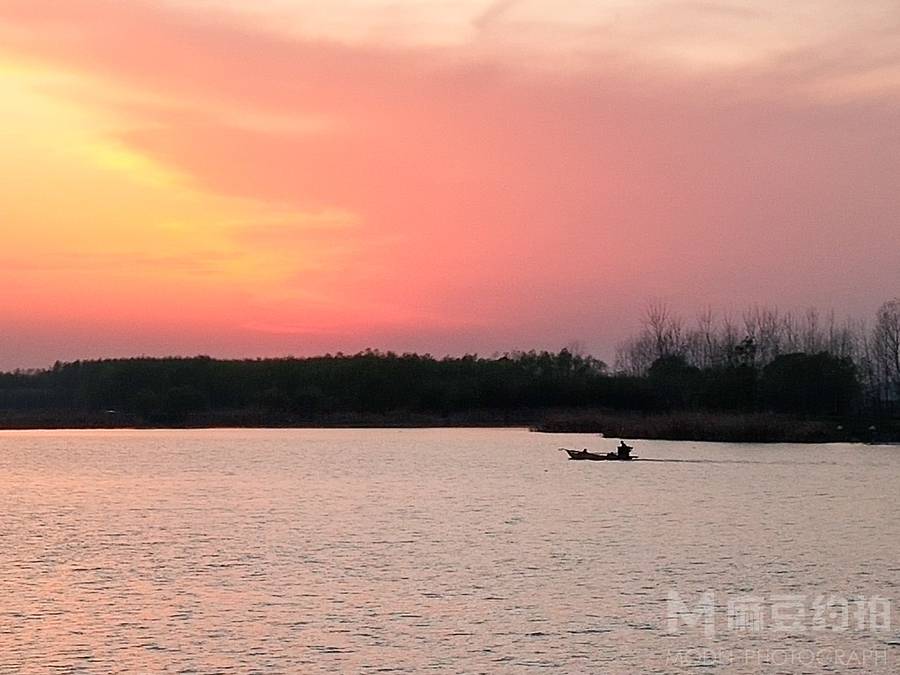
594	457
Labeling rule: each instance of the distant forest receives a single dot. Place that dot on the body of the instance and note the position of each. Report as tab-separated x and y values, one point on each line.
764	361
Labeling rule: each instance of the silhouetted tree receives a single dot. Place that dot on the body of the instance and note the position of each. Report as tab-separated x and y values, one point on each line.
886	354
812	384
676	381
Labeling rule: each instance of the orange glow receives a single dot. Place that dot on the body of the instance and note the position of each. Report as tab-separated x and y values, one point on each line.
235	177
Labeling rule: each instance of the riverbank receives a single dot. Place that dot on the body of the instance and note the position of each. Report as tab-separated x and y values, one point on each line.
253	419
723	427
675	426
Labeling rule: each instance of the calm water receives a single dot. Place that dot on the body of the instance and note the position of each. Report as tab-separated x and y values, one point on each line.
355	551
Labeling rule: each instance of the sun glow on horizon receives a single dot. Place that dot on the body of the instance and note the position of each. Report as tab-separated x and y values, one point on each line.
110	230
292	176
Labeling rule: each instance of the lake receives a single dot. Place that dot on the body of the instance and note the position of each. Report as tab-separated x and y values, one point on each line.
458	551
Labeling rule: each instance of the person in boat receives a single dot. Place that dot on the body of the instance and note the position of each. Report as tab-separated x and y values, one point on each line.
624	450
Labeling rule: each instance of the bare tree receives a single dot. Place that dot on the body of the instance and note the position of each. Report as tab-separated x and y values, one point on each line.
662	334
635	355
706	341
762	334
886	352
730	340
790	334
666	330
811	333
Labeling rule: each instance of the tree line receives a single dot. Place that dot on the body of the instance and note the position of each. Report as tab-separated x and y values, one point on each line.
764	361
168	389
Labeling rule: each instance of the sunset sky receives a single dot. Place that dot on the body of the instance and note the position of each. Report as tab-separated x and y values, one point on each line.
271	177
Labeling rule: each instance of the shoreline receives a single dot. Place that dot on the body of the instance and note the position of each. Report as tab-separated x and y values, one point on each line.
724	427
263	420
673	426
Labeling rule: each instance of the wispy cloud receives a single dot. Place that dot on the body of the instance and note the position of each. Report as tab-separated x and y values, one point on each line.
537	185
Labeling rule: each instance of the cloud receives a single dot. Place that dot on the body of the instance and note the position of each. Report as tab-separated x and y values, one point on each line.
493	14
488	188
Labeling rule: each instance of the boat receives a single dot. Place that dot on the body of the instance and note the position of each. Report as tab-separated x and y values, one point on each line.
595	457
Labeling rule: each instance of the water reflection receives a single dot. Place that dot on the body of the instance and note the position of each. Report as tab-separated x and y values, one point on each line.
454	550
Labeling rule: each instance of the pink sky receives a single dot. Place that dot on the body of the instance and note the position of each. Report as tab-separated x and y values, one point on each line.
252	178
